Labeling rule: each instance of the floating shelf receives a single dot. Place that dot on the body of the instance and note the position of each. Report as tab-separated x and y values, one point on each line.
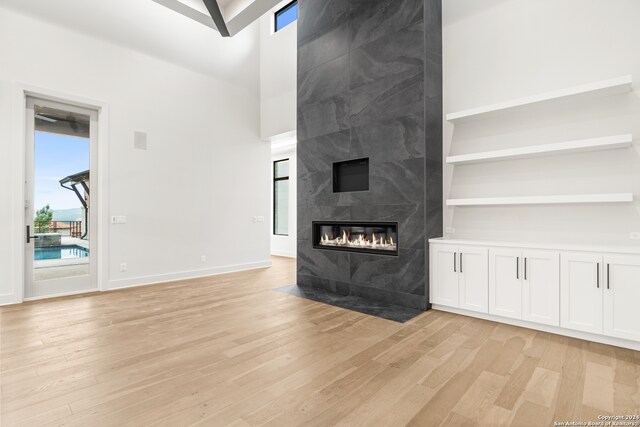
604	87
545	200
577	146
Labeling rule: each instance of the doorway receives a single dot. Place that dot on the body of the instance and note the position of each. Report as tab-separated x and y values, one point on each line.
60	200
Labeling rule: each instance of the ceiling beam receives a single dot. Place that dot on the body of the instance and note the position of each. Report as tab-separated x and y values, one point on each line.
216	14
189	12
241	13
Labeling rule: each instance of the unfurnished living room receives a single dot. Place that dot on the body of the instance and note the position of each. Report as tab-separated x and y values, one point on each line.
319	212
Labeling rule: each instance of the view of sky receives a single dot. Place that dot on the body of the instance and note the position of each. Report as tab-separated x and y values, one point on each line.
287	17
58	156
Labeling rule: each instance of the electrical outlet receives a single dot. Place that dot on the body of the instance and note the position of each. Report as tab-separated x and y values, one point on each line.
203	259
114	219
255	219
123	266
634	235
260	219
122	219
450	230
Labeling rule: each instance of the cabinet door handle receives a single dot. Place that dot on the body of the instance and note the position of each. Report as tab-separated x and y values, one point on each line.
525	268
460	262
598	276
455	255
608	280
518	268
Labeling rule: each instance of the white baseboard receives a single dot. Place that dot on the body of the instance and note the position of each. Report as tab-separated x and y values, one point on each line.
283	253
62	294
618	342
8	299
182	275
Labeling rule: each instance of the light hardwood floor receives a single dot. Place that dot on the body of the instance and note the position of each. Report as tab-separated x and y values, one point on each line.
227	350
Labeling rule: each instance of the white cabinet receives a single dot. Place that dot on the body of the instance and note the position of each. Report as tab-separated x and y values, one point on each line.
473	278
591	290
505	286
622	296
459	277
525	285
601	294
541	287
581	291
444	275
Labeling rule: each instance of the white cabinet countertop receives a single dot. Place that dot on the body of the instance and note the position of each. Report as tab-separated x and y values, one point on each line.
631	249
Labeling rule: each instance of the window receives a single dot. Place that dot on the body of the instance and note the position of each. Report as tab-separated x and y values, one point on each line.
281	197
286	15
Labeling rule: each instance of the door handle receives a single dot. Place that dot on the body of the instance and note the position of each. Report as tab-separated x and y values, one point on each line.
29	236
525	268
608	279
455	255
598	276
460	262
518	268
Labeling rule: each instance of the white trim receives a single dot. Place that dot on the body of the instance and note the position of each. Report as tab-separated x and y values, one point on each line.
604	87
545	328
182	275
21	92
62	294
283	254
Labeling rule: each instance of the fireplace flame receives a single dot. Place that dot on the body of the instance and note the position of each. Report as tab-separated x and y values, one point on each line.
360	241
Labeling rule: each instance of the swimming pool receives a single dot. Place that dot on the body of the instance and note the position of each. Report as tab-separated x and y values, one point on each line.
60	252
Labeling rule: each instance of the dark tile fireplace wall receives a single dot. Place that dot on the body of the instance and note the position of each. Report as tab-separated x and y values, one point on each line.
370	86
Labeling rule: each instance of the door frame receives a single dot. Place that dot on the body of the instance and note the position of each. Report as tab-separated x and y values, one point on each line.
18	174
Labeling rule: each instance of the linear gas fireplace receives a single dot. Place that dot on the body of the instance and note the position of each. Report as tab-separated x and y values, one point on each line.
369	237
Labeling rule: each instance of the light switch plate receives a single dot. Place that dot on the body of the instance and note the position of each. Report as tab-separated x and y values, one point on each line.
450	230
634	235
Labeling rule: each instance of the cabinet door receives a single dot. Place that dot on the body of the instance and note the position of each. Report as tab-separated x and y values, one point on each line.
474	278
581	291
444	274
622	296
505	287
541	287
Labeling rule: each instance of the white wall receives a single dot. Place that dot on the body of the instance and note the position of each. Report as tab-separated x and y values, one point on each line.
496	50
198	186
286	245
278	76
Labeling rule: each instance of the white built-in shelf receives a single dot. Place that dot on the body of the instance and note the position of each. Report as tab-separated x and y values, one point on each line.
577	146
604	87
545	200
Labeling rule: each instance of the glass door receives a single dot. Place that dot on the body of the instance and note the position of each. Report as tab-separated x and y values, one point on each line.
60	202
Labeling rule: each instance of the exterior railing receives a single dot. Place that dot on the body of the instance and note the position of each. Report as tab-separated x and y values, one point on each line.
64	228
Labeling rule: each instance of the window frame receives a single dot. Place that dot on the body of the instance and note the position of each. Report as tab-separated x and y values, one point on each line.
275	183
280	12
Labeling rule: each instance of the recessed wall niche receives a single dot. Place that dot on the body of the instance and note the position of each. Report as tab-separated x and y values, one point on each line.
351	175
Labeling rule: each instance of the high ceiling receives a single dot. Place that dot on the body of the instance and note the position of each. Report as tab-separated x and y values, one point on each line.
151	28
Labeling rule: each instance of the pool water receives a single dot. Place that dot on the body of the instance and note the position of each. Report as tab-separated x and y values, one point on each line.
60	252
